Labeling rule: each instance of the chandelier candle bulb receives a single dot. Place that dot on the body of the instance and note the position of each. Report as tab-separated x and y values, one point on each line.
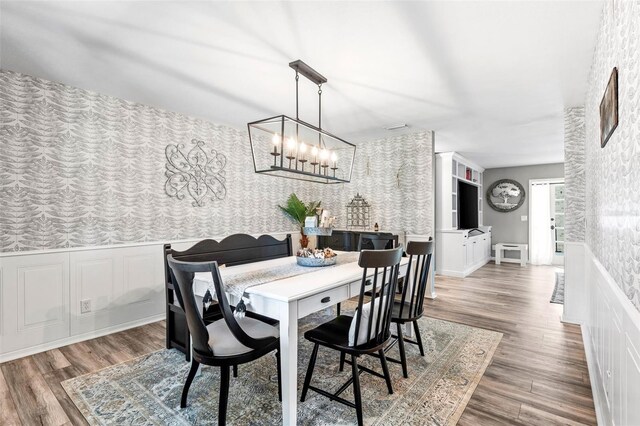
302	158
276	141
291	147
334	159
324	154
324	160
314	153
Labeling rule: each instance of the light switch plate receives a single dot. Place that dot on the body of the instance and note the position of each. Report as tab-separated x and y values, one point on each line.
524	218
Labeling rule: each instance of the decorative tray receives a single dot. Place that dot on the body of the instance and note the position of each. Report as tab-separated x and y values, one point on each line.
314	261
315	257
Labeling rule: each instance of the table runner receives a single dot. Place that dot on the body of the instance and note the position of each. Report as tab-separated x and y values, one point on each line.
237	284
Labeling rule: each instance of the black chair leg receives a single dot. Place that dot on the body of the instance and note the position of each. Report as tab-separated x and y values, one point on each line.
403	356
307	378
235	371
224	395
342	355
356	389
338	309
187	384
279	375
418	337
385	370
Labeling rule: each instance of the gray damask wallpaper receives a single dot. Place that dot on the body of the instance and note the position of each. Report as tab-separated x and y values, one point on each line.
574	174
613	173
81	169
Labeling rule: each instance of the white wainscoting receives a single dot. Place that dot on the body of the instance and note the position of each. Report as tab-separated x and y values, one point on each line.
34	299
611	334
41	294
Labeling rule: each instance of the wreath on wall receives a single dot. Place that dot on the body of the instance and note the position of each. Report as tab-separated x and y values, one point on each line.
505	195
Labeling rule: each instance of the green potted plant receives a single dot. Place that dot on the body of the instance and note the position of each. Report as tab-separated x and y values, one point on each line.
298	211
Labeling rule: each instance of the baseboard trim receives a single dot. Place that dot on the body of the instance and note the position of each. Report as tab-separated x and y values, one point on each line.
449	273
9	356
568	320
596	384
507	260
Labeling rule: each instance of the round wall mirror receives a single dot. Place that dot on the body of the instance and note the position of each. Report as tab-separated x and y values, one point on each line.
505	195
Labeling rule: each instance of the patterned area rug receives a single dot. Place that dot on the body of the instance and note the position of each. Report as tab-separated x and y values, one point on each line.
558	290
146	391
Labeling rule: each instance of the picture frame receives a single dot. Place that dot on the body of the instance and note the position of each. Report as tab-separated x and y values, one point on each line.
609	109
505	195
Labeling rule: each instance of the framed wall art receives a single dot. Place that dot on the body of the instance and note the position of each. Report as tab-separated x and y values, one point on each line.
609	109
505	195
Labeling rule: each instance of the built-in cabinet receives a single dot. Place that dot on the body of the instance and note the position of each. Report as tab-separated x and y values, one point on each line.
451	168
459	252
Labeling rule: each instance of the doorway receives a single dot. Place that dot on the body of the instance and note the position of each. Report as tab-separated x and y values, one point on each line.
546	221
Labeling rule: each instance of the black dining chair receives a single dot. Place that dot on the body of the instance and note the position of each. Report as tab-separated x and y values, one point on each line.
373	242
365	333
227	342
408	307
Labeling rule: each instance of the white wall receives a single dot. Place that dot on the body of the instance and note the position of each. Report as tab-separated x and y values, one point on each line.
508	227
80	169
611	336
40	294
603	221
84	211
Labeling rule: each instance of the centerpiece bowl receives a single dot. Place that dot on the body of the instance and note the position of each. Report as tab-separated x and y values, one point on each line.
316	258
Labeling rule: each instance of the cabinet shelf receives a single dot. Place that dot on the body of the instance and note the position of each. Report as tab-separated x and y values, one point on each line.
451	169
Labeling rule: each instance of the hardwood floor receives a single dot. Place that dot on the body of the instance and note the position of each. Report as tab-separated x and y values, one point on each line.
538	374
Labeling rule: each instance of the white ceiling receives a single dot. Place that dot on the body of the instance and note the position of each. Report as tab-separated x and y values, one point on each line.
491	78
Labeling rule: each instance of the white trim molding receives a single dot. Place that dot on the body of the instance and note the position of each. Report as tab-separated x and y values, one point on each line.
42	294
610	326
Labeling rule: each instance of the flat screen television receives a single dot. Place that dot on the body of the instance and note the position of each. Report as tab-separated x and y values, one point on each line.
467	206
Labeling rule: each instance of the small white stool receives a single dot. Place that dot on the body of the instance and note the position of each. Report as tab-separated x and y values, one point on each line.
522	248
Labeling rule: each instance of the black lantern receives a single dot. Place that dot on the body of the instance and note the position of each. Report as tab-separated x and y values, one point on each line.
292	148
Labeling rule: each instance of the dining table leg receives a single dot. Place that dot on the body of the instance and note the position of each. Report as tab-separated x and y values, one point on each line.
289	360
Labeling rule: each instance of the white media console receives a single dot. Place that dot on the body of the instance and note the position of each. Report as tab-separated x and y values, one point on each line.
459	252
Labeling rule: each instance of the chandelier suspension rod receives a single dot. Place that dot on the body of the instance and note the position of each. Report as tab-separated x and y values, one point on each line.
320	106
297	78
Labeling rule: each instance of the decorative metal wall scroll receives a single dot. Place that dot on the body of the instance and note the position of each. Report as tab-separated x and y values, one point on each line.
358	213
198	172
505	195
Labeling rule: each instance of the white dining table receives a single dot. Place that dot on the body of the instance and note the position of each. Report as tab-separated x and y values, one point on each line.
292	298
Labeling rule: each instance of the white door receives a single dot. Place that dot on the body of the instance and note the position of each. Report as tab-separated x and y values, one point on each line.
540	233
557	222
546	214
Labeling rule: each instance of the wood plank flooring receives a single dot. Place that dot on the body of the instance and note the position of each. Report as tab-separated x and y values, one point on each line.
538	374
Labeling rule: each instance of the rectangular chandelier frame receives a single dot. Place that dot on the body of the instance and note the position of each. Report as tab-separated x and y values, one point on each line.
282	146
282	167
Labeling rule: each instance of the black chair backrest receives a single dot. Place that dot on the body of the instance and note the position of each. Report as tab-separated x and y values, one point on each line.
385	265
376	241
233	250
183	274
413	290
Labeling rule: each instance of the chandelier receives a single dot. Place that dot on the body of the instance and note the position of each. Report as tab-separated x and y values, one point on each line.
292	148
